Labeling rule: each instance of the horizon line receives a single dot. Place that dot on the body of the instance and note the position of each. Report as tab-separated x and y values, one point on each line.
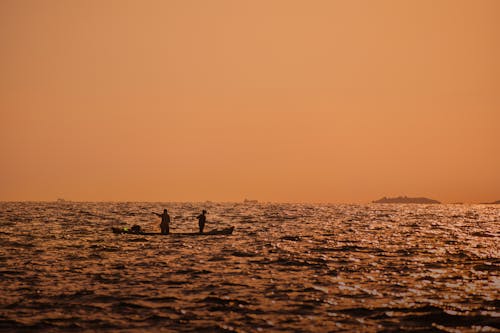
240	201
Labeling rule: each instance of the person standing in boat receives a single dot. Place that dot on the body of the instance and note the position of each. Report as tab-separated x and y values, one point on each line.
201	220
165	222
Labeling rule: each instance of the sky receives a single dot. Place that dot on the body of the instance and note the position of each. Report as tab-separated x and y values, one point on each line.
275	100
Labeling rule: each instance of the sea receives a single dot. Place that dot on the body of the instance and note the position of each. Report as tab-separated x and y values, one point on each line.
286	268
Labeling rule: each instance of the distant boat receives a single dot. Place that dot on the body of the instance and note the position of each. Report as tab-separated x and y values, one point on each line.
248	201
407	200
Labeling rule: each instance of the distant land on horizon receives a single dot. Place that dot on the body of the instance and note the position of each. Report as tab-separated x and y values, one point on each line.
388	200
406	200
492	203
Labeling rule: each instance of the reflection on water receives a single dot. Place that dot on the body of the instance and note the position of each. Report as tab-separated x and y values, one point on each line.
287	267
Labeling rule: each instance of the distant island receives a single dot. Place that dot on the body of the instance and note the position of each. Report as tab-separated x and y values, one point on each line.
492	203
407	200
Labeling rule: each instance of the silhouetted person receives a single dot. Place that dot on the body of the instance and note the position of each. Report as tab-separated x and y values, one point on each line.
136	229
201	220
165	222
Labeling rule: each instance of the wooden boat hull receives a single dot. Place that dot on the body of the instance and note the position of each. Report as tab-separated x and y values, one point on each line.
225	231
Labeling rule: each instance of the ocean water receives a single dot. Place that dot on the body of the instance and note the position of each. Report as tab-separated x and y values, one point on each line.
286	268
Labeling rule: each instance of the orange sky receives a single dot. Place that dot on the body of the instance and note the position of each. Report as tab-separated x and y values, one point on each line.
316	101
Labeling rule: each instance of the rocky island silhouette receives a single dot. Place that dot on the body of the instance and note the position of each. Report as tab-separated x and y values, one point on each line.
407	200
493	203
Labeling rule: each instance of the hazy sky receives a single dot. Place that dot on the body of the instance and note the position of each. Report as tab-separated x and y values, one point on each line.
317	101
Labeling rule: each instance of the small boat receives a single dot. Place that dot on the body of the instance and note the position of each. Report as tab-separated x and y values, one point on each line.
225	231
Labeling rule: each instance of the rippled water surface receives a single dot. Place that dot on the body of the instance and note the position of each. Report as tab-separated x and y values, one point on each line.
287	267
